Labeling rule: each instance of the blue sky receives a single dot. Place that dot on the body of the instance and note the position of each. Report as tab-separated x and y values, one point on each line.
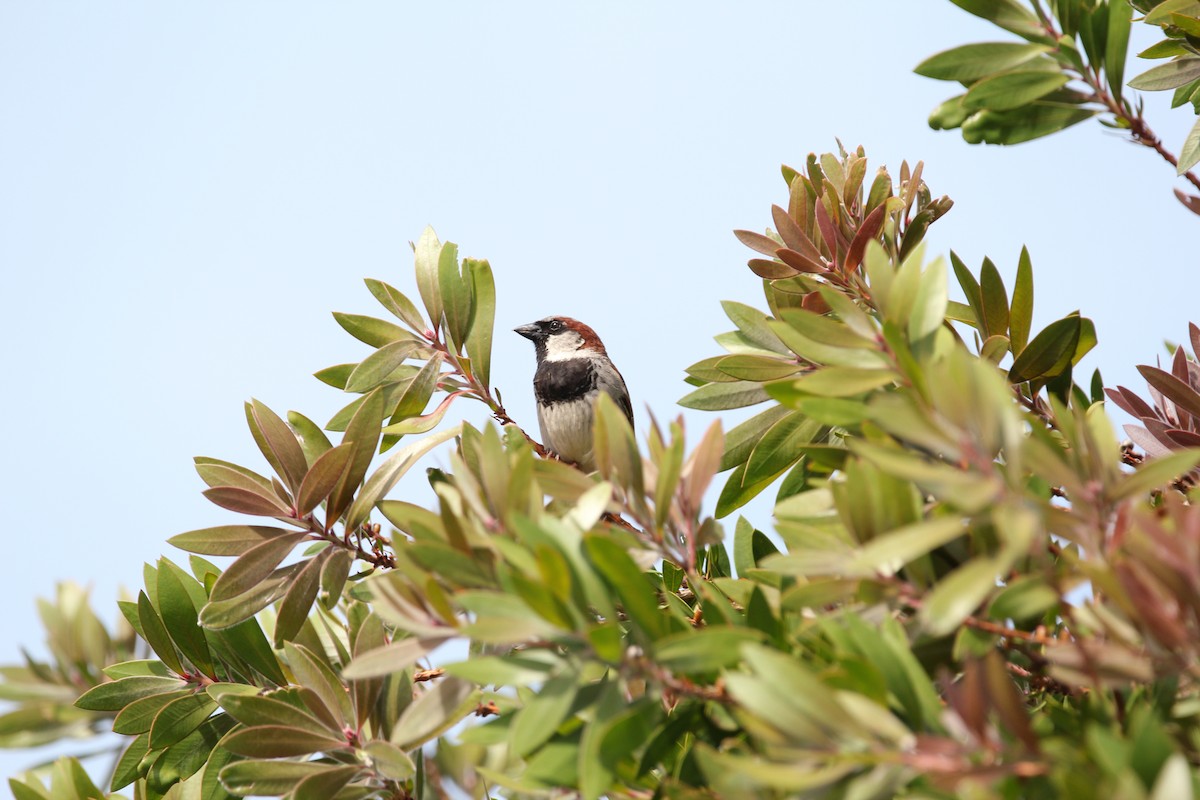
188	190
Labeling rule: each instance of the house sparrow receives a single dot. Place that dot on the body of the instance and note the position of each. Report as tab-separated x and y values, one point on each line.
573	368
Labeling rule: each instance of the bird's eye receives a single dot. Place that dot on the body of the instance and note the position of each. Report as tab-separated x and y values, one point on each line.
555	326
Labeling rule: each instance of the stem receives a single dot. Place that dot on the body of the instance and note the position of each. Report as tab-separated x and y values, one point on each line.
1139	129
483	394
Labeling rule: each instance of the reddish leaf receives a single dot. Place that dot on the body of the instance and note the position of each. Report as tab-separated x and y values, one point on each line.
1194	335
245	501
322	477
828	232
1130	403
254	566
1008	700
277	442
815	303
800	261
793	235
770	270
1175	390
1179	364
1190	201
866	233
1184	438
757	242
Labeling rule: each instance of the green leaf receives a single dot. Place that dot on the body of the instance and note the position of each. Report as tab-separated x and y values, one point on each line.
390	760
779	447
971	62
138	716
995	300
390	472
390	658
1170	75
724	396
370	330
179	718
426	254
628	581
395	301
312	439
1023	600
950	114
435	712
1007	14
757	368
279	741
535	723
707	650
269	777
957	596
1012	90
1156	473
753	325
456	293
1040	118
889	552
929	306
479	341
225	540
115	695
155	634
1021	312
831	382
1049	353
255	709
1189	156
378	367
1116	45
325	784
180	617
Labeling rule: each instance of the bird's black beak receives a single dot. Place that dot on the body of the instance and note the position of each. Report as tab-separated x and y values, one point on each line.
532	331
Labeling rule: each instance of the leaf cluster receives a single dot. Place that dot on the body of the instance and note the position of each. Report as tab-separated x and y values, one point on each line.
969	589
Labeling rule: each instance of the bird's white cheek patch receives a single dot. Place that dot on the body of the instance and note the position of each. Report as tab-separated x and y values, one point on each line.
564	345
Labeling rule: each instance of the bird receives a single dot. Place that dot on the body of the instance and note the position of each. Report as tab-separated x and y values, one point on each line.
573	368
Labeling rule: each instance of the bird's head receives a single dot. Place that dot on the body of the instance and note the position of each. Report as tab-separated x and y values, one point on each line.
561	338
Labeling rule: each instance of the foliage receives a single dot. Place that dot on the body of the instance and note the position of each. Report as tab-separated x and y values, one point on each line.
966	593
1069	67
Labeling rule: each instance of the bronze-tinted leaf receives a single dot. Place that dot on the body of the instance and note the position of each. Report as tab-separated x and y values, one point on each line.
322	477
757	242
1181	394
866	233
279	741
793	235
770	270
801	262
363	432
1190	201
1130	403
245	501
254	566
1184	438
829	235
